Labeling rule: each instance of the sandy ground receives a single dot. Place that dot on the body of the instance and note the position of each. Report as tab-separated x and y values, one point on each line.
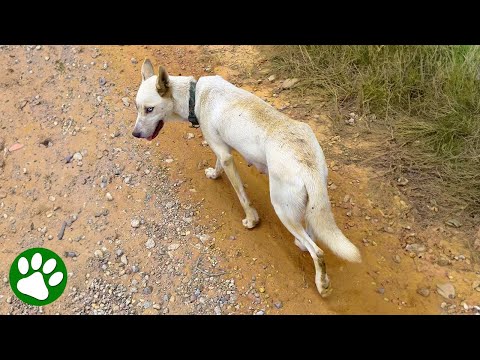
190	253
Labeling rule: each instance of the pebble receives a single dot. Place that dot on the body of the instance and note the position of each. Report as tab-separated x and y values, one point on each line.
190	136
126	101
147	304
423	291
135	269
397	259
77	156
217	310
148	290
134	61
108	196
135	223
124	260
417	248
289	83
168	161
453	223
150	243
3	194
119	252
272	78
15	147
278	304
71	254
102	81
98	253
447	290
260	312
381	290
173	247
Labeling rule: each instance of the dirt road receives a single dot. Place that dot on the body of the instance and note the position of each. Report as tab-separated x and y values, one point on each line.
167	240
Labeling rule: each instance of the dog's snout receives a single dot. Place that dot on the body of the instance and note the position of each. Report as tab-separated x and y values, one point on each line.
137	134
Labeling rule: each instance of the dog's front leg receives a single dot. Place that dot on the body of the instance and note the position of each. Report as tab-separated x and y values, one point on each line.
228	165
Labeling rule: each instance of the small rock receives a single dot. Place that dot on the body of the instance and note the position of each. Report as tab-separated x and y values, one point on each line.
260	312
102	81
388	229
126	101
397	259
402	181
381	290
77	156
70	254
135	269
98	253
3	194
15	147
124	260
134	61
150	243
453	223
272	78
9	300
232	237
168	161
135	223
350	121
416	248
190	136
173	247
148	290
108	196
262	290
147	304
423	291
119	252
476	285
278	304
446	290
217	310
289	83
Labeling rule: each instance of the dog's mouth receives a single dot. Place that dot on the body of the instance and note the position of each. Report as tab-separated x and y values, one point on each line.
157	130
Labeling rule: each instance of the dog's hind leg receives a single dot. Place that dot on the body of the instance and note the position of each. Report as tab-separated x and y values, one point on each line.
212	173
289	201
225	160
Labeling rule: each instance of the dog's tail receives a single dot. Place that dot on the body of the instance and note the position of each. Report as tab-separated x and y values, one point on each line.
319	219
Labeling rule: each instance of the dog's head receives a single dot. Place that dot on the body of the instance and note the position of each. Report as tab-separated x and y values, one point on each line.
154	102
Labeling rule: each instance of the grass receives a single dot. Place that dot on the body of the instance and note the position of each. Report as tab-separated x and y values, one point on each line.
427	97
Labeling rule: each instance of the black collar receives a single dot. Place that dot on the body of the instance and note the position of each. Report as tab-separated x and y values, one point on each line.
191	106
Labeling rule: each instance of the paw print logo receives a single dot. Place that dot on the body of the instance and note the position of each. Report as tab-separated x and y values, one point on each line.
38	276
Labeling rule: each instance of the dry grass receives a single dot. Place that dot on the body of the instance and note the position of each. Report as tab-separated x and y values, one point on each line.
426	97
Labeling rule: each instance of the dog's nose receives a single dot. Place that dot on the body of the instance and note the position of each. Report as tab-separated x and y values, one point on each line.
137	134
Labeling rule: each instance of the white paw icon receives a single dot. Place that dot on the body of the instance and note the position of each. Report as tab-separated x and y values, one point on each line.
34	285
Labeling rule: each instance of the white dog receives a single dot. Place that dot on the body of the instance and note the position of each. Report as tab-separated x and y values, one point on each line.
232	118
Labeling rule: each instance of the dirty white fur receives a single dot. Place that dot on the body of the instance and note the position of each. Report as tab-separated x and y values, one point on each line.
232	118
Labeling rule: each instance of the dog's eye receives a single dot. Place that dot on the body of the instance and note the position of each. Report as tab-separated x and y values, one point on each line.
148	110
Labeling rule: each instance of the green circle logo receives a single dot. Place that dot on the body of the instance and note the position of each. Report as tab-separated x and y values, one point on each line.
38	276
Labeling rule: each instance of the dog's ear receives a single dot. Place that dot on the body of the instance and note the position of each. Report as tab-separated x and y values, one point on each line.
162	81
147	70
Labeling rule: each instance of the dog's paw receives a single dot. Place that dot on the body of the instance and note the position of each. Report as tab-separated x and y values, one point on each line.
251	220
324	287
211	173
300	245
